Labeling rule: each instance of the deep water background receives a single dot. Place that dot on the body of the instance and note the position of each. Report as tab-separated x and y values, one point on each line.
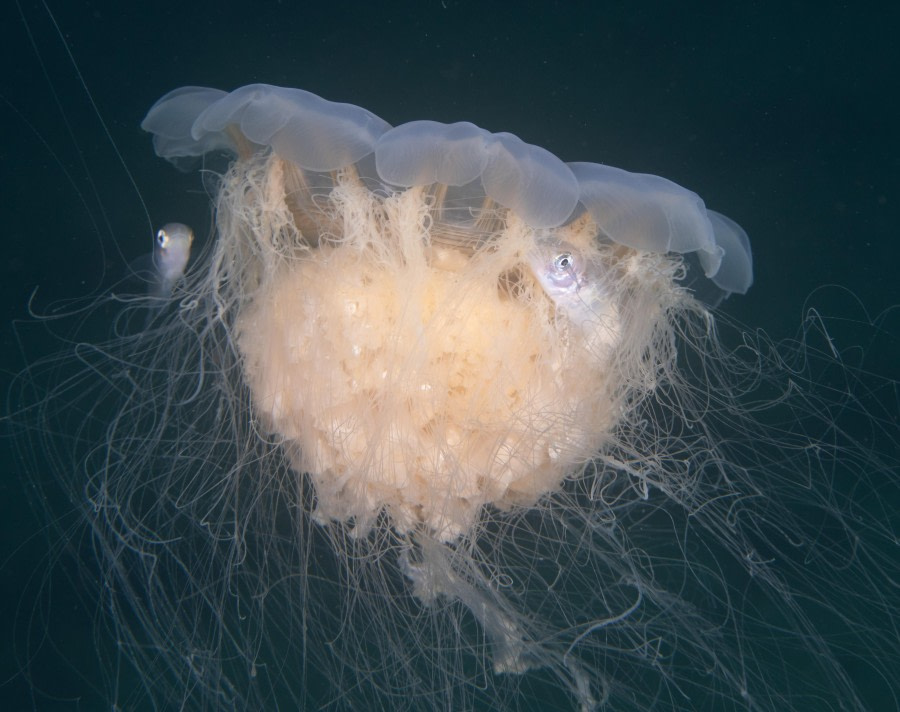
783	116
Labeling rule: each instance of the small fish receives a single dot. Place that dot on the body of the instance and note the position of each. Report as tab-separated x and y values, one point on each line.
567	277
170	256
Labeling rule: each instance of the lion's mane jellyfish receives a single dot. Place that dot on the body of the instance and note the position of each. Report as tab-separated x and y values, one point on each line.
438	421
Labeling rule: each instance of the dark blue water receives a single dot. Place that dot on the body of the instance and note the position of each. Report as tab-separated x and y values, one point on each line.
782	117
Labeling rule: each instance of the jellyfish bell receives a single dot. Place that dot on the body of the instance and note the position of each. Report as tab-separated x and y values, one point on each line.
439	421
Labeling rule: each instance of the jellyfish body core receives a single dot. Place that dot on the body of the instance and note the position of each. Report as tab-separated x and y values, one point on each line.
426	379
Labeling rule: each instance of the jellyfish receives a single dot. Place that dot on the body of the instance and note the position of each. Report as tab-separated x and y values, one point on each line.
439	421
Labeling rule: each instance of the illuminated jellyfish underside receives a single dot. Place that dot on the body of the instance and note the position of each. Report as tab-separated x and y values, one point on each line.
412	437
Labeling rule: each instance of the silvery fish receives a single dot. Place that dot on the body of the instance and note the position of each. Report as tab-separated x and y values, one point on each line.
570	280
170	256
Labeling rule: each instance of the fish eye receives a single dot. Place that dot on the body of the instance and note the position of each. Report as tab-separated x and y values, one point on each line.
162	238
564	262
